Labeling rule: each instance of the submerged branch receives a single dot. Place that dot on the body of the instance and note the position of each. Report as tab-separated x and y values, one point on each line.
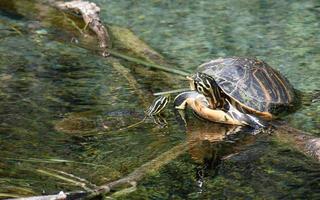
147	168
130	181
305	142
90	14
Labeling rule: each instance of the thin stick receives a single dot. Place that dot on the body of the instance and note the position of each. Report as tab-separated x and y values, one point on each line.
74	182
147	64
86	26
134	125
73	23
171	92
16	30
51	161
8	195
75	177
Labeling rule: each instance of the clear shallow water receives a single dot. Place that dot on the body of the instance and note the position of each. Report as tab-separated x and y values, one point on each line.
47	83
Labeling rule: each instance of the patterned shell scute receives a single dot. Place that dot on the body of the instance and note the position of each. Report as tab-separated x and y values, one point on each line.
251	82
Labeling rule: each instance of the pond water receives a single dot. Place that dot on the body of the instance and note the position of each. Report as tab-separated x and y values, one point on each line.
61	105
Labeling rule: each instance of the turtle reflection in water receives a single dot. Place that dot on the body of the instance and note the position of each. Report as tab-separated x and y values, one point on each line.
211	143
154	112
237	91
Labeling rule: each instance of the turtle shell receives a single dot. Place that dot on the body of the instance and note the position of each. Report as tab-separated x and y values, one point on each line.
252	83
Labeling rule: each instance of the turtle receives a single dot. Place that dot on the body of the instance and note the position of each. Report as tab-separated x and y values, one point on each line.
238	91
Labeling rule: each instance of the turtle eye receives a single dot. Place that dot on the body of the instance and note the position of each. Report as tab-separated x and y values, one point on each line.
200	89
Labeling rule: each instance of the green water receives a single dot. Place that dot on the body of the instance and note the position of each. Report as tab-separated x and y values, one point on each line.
46	83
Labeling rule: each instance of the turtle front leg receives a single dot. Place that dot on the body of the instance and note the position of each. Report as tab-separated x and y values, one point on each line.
247	119
200	105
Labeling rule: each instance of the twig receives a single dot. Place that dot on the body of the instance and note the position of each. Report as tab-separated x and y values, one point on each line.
171	91
16	30
75	177
73	23
51	161
74	182
147	64
8	195
133	125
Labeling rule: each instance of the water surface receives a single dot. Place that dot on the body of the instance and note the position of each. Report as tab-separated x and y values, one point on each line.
48	83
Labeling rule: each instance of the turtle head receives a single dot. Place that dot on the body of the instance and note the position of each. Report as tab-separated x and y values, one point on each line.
202	83
206	85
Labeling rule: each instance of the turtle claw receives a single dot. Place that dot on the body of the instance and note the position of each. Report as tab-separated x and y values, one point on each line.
182	117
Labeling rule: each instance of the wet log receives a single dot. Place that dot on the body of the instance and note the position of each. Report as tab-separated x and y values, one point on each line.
90	14
303	141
